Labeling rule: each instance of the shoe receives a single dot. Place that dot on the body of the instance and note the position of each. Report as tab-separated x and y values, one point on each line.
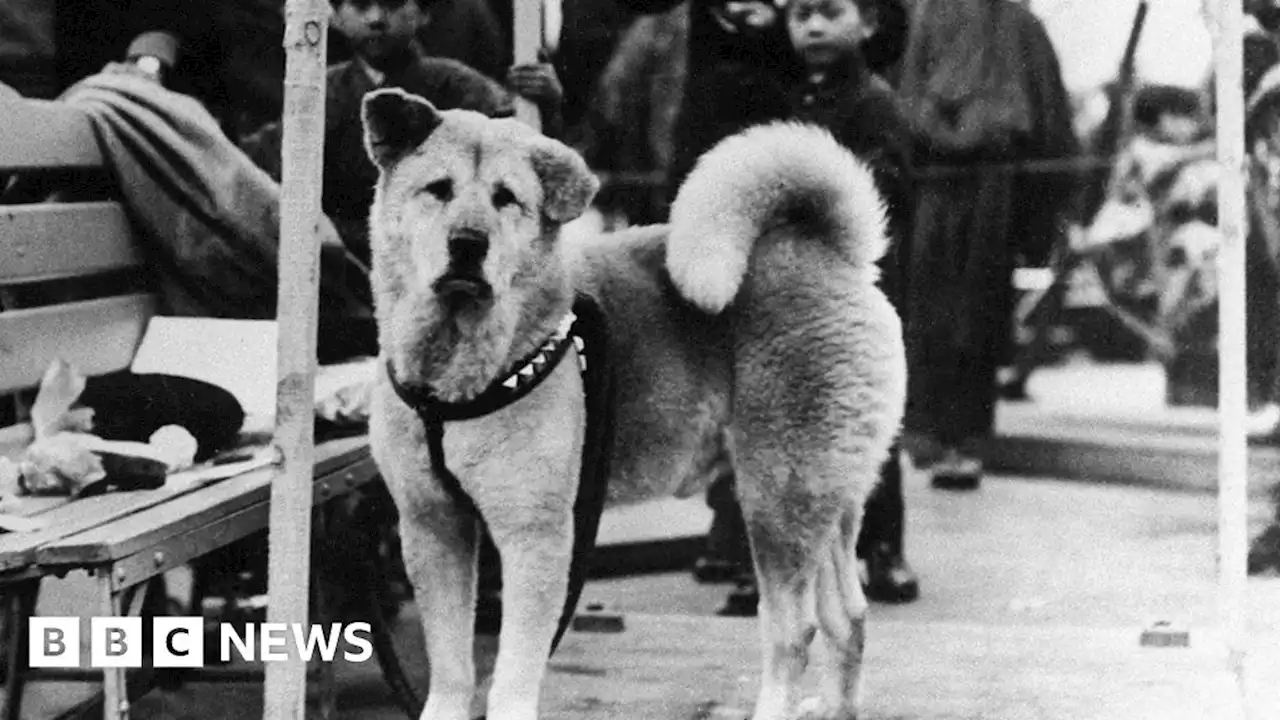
889	578
743	601
956	472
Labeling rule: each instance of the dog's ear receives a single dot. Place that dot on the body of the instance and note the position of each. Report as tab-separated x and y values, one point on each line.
568	185
395	123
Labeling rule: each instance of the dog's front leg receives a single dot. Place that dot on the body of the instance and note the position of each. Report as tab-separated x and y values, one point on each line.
440	553
535	573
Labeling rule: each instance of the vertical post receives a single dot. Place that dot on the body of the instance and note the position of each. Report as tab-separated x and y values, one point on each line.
527	36
115	691
289	534
1233	460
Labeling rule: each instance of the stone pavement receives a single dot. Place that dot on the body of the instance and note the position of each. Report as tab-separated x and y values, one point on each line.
1109	423
1035	590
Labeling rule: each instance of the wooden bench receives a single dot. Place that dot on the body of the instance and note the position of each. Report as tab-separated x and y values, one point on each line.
125	540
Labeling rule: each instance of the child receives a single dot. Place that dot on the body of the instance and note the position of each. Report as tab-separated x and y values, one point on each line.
386	53
835	90
839	92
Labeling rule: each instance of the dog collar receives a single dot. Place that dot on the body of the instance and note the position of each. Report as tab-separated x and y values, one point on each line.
519	381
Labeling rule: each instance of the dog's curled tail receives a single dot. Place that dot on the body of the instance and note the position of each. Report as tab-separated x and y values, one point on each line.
769	176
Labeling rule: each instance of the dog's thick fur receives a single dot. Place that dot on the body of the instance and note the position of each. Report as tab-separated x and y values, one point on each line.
749	331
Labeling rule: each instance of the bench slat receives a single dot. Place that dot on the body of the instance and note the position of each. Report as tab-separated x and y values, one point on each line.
97	336
347	459
42	134
19	549
47	241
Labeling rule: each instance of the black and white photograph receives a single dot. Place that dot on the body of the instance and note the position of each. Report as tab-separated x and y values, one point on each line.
640	359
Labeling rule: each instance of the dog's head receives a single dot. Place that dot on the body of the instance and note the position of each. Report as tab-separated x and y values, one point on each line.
469	204
464	228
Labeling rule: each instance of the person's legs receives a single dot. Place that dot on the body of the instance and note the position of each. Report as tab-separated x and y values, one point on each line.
933	268
1044	314
727	556
979	306
881	543
963	400
1264	552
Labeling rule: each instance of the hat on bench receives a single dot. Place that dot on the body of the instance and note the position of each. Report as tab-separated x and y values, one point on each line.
131	407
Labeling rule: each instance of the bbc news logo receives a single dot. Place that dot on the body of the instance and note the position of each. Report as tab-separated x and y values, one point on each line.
179	642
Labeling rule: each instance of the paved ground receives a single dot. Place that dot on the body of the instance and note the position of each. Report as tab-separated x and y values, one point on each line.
1110	423
1035	590
1034	595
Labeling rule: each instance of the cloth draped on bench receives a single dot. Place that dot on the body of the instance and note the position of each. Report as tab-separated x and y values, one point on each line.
208	216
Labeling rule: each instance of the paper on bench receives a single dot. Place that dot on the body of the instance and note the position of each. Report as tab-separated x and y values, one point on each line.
237	355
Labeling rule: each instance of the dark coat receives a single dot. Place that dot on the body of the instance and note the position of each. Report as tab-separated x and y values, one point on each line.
736	77
738	72
983	88
864	115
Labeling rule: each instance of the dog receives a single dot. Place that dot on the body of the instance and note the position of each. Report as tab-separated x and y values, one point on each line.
748	332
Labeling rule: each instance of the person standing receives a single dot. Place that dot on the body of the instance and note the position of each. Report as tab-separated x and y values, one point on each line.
741	69
837	90
981	83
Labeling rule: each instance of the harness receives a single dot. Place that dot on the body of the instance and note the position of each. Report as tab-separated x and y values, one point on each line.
585	328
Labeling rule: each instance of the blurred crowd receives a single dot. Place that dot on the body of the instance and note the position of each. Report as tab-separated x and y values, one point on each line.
959	107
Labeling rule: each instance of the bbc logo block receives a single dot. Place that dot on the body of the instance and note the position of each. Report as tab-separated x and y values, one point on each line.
179	642
115	642
54	642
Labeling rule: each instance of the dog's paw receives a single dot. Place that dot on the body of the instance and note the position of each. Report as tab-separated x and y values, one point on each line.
811	708
815	708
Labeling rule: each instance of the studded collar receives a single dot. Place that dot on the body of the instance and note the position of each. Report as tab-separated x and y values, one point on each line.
521	379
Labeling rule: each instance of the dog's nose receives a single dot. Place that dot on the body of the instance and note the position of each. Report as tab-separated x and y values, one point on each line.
468	247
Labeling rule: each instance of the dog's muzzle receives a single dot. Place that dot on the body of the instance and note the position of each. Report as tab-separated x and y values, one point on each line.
464	278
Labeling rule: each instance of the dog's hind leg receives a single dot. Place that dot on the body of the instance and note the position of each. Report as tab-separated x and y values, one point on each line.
782	549
440	555
842	610
786	630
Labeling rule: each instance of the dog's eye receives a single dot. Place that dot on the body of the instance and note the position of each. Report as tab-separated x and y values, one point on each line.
441	190
502	197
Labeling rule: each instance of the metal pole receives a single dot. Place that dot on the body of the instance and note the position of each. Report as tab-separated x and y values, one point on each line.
1233	462
289	534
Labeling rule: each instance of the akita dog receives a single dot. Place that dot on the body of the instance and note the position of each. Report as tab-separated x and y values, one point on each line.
749	330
